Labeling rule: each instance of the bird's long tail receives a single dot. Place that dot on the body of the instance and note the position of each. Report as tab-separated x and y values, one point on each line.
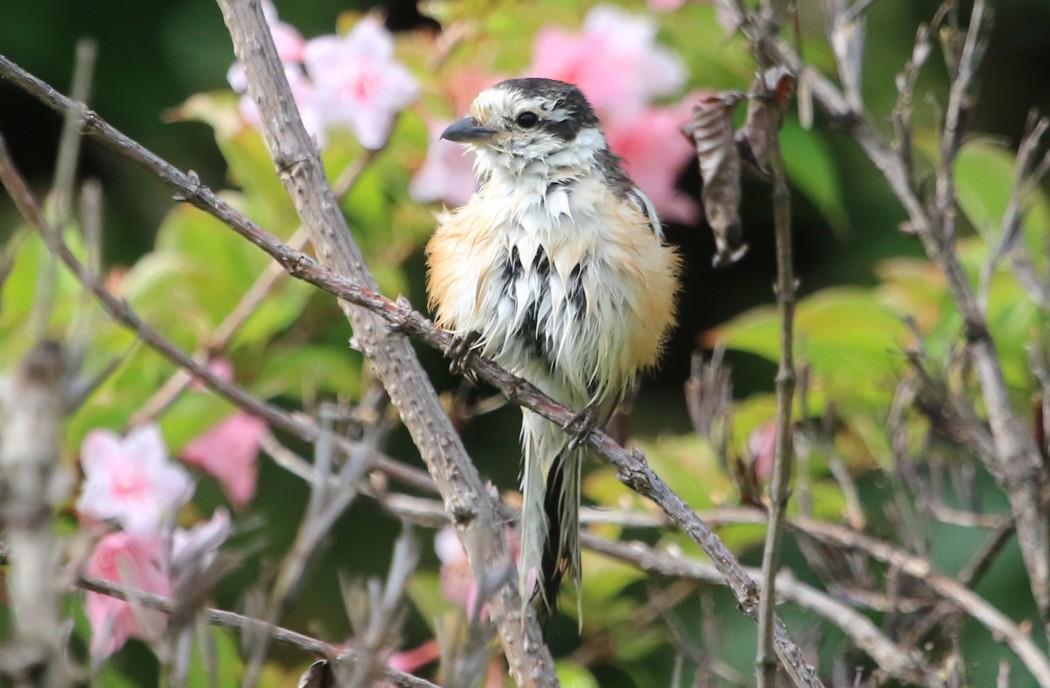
550	517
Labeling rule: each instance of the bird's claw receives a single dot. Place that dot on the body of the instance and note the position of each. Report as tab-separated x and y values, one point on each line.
459	352
580	427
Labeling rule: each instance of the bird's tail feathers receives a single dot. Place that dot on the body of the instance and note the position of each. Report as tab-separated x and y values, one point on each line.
550	520
561	553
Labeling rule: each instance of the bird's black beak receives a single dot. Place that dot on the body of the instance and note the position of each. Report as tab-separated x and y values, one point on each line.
467	130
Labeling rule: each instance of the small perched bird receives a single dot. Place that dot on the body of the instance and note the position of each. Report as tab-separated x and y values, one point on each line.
557	269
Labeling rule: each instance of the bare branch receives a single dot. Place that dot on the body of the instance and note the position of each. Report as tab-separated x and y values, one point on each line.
780	485
33	482
394	361
225	619
903	665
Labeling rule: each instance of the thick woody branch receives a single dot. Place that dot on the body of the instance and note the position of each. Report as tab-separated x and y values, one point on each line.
632	469
33	403
395	363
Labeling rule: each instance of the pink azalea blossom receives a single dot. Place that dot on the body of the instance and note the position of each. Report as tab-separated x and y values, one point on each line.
666	5
458	585
447	174
654	153
131	480
762	445
197	545
457	580
357	81
220	367
302	92
135	562
290	49
228	452
615	60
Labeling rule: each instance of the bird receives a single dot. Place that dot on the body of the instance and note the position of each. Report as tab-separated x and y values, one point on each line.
557	268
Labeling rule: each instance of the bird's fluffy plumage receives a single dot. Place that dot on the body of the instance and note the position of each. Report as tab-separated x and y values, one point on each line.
558	263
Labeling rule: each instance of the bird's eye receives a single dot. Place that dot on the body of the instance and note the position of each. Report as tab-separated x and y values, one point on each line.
527	119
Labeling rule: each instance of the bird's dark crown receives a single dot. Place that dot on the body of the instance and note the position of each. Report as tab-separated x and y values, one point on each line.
562	96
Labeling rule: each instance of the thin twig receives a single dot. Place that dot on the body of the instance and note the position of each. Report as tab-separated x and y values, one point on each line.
225	619
921	569
902	665
784	290
63	187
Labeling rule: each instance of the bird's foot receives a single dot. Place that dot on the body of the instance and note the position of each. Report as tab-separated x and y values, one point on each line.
580	426
460	351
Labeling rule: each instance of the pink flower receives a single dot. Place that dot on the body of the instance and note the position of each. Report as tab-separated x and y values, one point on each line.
762	446
133	562
357	81
457	580
197	546
302	92
654	153
447	174
408	661
228	451
220	367
615	60
290	48
665	5
131	480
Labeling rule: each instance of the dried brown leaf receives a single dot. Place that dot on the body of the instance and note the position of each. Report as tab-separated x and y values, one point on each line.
768	100
712	131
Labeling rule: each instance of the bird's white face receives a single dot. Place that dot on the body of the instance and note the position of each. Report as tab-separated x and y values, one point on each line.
515	123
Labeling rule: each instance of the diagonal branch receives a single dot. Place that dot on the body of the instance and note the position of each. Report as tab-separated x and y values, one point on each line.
220	617
395	363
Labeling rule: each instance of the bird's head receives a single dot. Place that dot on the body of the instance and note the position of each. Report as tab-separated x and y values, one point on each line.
520	121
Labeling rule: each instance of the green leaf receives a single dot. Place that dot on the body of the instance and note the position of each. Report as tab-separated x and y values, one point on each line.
811	168
574	675
424	589
984	180
305	370
249	162
278	311
846	334
227	660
